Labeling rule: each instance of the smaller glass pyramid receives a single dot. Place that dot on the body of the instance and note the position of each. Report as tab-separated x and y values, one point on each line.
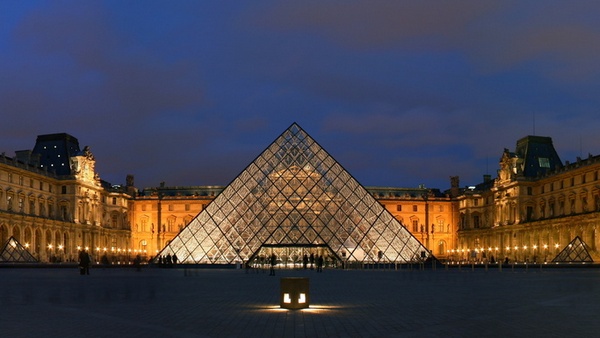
575	252
293	201
14	252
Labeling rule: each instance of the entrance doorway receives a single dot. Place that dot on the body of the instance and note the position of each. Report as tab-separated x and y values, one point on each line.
294	256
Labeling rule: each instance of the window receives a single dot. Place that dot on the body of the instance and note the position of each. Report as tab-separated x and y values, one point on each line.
476	221
544	162
63	189
476	202
415	208
441	208
143	207
171	223
9	205
114	201
20	180
170	207
415	224
187	207
583	178
399	207
41	185
529	191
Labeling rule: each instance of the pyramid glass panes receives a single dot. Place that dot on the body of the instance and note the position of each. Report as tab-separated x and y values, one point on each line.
575	252
293	200
14	252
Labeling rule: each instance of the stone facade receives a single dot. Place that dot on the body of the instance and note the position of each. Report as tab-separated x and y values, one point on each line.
55	215
533	208
530	216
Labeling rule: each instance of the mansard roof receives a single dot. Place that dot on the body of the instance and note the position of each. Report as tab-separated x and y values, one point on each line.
55	151
538	155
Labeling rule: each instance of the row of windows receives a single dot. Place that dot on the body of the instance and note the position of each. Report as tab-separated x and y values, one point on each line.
415	208
425	228
43	209
170	207
561	184
41	184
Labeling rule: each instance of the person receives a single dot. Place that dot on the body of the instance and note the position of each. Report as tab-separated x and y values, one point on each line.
104	260
273	263
84	263
312	261
305	261
137	263
320	264
174	259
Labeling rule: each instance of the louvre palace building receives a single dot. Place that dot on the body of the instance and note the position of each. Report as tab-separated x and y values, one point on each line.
293	200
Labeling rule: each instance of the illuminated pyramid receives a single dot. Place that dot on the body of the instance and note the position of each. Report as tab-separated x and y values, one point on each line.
14	252
574	252
295	199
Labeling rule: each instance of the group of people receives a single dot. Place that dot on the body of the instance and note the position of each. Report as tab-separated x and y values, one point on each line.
319	262
167	261
85	260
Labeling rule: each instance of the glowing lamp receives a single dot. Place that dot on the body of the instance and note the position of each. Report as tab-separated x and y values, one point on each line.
294	292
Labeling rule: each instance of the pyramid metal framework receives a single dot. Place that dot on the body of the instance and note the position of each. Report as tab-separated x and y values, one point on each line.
574	252
14	252
296	198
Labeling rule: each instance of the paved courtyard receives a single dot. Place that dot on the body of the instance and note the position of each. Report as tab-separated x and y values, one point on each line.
48	302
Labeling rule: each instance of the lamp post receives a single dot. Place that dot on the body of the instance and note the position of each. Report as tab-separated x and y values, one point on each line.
50	255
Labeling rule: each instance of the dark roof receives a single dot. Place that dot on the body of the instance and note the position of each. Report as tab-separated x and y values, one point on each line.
538	154
55	151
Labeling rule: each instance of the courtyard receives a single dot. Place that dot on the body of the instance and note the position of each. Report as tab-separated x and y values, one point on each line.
177	302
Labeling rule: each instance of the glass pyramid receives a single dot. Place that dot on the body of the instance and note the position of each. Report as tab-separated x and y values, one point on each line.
295	199
575	252
14	252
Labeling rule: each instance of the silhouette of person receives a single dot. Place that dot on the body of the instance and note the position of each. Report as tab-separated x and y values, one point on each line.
305	261
273	263
84	263
320	264
137	263
174	258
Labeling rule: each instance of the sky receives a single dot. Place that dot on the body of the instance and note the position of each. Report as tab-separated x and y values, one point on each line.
400	93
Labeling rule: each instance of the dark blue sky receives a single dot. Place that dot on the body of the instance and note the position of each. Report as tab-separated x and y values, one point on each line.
401	93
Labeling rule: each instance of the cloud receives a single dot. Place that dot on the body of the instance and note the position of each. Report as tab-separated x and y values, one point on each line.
103	70
497	35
